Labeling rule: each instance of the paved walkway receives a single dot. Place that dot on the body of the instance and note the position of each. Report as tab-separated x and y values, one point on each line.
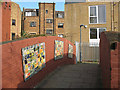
73	76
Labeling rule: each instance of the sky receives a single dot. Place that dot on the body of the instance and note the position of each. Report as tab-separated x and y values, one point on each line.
59	6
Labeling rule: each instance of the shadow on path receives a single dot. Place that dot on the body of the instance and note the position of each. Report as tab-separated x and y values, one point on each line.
73	76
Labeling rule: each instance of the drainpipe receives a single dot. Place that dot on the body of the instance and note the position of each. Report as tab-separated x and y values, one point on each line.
53	18
39	16
44	18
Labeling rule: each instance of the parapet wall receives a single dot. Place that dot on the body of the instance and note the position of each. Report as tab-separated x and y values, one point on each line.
12	64
110	59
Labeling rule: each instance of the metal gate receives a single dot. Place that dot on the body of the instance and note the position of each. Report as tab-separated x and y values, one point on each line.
89	52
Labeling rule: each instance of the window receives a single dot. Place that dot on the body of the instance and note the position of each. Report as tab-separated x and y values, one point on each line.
13	36
13	22
5	3
95	35
60	25
33	13
49	20
33	33
9	7
46	11
59	15
33	24
60	35
97	14
30	13
49	32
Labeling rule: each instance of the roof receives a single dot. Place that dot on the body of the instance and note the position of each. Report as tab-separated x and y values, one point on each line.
27	9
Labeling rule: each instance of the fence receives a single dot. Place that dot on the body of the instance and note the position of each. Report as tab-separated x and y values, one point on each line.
90	52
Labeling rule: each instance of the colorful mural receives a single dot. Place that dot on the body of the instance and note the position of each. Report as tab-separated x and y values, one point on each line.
33	59
70	51
59	49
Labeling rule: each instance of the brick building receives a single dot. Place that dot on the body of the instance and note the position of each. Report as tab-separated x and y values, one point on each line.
5	8
39	21
15	21
42	20
98	16
59	23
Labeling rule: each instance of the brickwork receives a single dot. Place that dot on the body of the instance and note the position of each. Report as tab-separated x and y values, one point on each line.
110	60
6	14
12	71
15	14
59	30
27	22
43	16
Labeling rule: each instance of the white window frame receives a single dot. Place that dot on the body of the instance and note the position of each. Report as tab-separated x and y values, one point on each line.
60	35
96	14
95	42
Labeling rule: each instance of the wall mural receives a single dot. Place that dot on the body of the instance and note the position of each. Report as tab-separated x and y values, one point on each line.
33	59
59	49
70	51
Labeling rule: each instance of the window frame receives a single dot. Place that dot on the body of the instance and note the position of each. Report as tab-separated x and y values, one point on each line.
59	15
98	39
50	21
60	36
46	11
60	27
49	30
96	14
32	22
12	22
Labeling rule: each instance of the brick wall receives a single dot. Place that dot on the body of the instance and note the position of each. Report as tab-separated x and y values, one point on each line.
6	14
59	30
15	14
110	61
12	74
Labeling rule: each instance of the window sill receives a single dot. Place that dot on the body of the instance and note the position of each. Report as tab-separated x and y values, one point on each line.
97	23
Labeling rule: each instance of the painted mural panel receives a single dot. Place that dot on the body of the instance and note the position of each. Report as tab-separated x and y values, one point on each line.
33	59
59	49
70	51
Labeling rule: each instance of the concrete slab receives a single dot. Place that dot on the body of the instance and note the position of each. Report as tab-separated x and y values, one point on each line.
73	76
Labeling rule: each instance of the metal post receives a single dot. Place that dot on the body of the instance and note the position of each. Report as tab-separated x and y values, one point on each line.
85	26
80	46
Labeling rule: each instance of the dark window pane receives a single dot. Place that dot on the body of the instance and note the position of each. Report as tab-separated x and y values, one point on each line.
93	33
13	21
49	32
46	11
60	25
49	20
13	36
33	24
93	19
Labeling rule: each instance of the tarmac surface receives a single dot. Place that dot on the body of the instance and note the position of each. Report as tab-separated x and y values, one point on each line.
73	76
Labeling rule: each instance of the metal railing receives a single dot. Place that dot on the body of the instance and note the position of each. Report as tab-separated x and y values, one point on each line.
90	52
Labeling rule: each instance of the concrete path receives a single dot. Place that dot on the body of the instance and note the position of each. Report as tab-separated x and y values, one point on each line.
73	76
